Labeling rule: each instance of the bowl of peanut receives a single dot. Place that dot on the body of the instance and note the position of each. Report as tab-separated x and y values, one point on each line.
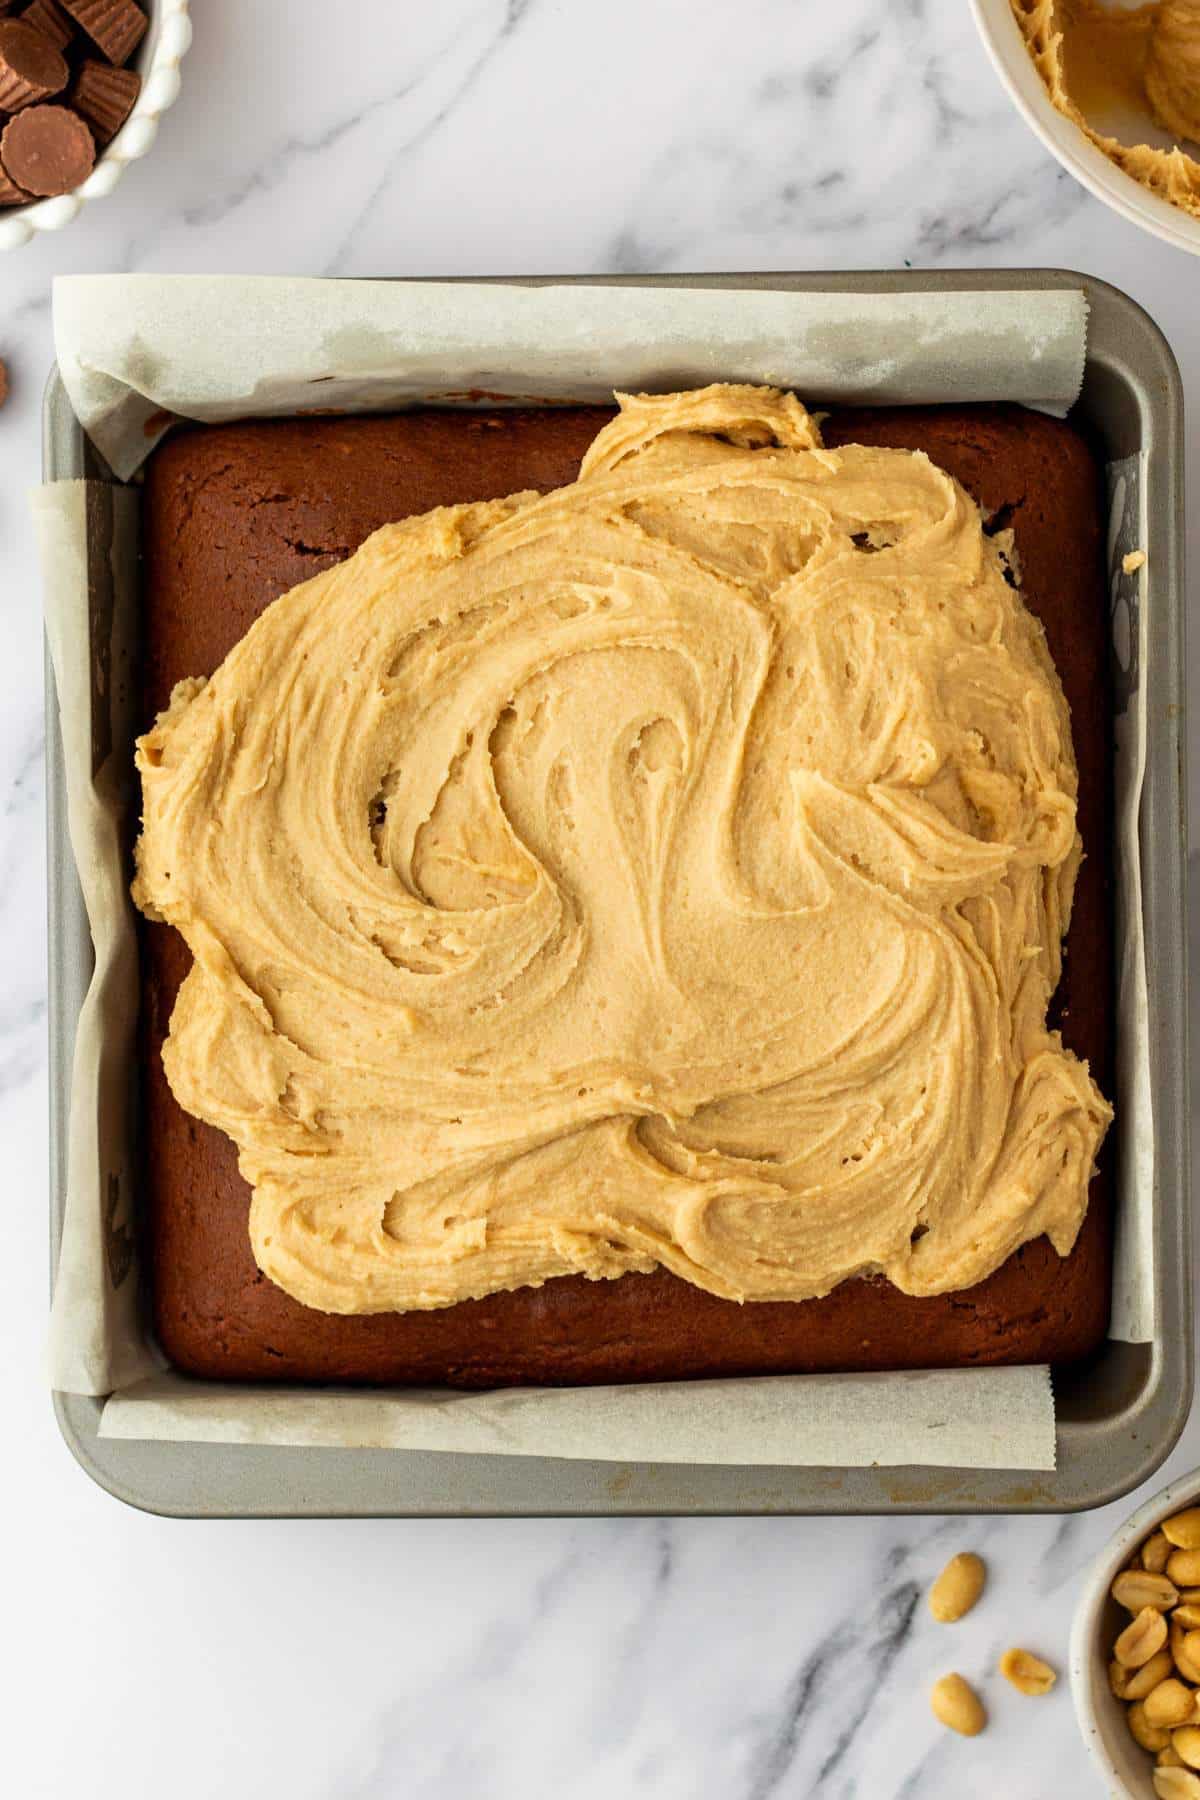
1135	1651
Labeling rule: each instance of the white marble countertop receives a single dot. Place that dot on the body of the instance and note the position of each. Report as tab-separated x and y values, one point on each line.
686	1660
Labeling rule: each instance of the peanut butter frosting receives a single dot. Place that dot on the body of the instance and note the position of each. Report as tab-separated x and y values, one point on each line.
1099	61
670	869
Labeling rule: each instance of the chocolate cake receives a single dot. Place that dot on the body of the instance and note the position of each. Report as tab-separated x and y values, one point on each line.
236	515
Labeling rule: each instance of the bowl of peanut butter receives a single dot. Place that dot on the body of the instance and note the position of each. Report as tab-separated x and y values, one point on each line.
1113	91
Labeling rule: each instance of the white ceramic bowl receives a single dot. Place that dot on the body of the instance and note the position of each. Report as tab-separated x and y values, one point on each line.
1125	1766
159	56
1005	45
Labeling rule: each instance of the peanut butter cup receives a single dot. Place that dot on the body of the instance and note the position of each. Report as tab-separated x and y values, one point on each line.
48	17
105	97
31	69
10	193
118	26
47	150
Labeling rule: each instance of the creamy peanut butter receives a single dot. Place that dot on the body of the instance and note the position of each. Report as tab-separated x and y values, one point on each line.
670	869
1097	61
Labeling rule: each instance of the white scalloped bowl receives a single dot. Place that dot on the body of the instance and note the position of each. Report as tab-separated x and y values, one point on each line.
159	55
1005	45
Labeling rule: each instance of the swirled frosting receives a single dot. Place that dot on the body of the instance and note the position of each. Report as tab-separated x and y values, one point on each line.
1105	61
667	870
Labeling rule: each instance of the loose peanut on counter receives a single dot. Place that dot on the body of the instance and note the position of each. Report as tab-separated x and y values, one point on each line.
1141	1639
1030	1675
1172	1783
956	1704
957	1588
1183	1529
1135	1588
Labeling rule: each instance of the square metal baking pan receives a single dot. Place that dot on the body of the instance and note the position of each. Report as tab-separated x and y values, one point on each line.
1118	1416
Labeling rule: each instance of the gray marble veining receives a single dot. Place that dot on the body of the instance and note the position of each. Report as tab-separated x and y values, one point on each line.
687	1660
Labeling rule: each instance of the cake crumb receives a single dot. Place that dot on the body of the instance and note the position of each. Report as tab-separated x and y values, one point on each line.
1133	561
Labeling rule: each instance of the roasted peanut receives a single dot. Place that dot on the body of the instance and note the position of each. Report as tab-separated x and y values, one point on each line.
1174	1782
1183	1529
1187	1664
1148	1735
1156	1659
956	1704
1155	1552
1136	1683
1135	1588
1030	1675
957	1588
1170	1703
1142	1638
